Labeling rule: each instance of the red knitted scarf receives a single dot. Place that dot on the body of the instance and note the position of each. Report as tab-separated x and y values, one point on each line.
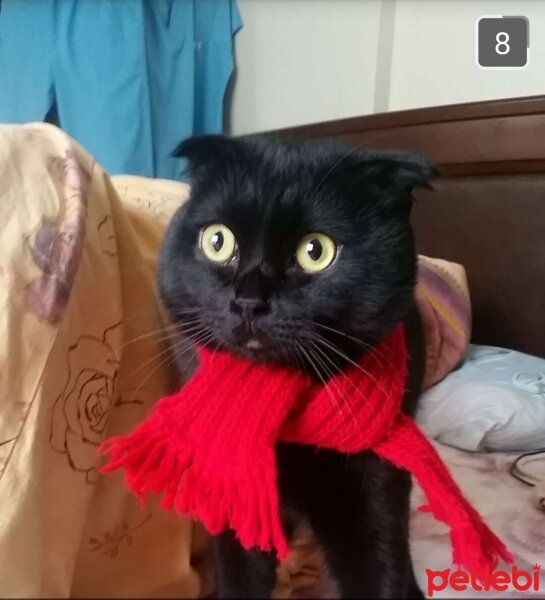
210	447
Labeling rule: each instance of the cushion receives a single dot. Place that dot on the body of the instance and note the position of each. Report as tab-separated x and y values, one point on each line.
494	401
443	300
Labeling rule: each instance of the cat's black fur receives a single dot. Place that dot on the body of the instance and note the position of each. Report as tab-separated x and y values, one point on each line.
270	194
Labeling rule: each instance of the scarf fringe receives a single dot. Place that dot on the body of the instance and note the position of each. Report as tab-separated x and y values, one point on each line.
474	544
247	503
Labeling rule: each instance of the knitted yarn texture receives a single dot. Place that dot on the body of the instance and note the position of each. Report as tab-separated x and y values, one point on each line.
210	448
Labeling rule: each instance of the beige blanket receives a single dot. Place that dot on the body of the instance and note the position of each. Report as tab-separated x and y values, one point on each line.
83	355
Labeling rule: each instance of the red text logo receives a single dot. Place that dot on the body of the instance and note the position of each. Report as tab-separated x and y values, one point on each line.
483	580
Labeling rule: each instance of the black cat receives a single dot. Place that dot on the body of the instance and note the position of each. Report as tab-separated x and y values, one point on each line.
301	253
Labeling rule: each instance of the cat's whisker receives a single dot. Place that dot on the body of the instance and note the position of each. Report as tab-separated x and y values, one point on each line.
170	348
170	337
335	370
150	360
372	350
157	335
332	374
345	357
329	382
188	327
312	362
298	358
203	339
190	334
167	362
159	315
164	332
336	395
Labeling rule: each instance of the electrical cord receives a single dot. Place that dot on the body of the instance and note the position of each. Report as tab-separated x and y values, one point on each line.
518	471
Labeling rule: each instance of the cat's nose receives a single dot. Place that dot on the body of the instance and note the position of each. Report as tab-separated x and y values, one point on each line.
249	308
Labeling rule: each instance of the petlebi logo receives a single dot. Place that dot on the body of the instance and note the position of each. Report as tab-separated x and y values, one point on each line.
484	580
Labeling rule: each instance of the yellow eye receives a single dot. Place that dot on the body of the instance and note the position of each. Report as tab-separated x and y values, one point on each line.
218	243
315	252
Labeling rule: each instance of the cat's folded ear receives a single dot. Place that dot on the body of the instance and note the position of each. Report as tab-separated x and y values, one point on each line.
398	172
204	152
394	175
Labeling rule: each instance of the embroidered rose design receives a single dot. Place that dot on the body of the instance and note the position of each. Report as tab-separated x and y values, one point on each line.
82	409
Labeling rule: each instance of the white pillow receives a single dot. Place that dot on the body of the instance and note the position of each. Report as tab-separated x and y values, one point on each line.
494	401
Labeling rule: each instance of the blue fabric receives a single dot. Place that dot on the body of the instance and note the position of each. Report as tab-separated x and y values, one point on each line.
130	78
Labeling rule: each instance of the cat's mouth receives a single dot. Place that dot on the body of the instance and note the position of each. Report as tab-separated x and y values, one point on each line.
249	339
253	344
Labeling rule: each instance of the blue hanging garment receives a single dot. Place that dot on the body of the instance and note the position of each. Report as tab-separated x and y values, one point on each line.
129	79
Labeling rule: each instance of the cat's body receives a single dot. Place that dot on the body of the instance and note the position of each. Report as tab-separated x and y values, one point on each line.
234	274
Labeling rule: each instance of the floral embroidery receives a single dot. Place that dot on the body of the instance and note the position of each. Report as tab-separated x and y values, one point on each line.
106	234
112	541
56	252
57	246
69	172
82	409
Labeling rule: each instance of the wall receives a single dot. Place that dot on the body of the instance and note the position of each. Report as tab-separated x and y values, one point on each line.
433	58
301	61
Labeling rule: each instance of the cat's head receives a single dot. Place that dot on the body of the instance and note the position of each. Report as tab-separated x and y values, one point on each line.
285	249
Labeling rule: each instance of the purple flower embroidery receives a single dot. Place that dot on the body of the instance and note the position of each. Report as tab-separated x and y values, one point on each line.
68	171
58	245
56	252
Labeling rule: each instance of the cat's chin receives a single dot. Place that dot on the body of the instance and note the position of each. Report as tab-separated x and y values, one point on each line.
261	352
257	352
253	344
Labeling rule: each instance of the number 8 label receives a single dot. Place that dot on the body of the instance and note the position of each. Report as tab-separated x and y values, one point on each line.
506	48
502	42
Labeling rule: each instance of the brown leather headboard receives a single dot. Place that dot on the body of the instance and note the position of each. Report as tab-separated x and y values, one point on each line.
487	208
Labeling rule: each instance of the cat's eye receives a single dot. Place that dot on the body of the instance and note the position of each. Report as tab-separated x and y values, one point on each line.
315	252
218	243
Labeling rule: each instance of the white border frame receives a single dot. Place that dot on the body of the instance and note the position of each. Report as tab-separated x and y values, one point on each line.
477	45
